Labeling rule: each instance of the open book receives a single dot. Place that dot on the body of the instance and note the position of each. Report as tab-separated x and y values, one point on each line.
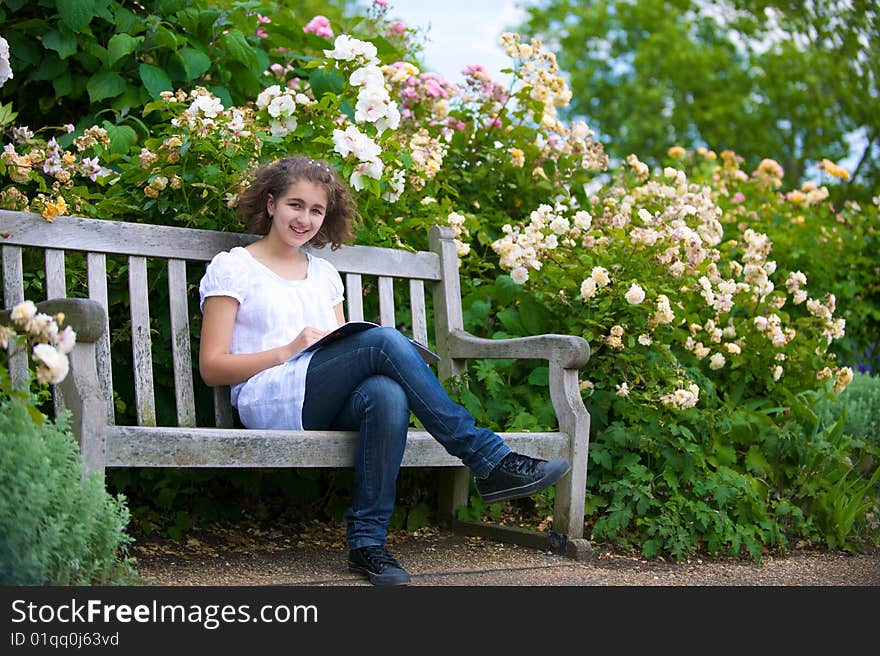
353	327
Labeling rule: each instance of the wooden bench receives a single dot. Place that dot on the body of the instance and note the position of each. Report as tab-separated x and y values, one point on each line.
167	262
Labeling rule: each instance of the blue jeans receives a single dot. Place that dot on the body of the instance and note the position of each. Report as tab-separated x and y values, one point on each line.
370	382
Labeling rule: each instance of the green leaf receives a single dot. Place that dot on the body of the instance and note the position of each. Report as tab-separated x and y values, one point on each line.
121	45
50	68
532	315
122	137
506	290
63	84
510	319
191	63
105	84
62	42
76	15
324	81
540	376
155	79
238	49
166	39
756	462
7	116
25	48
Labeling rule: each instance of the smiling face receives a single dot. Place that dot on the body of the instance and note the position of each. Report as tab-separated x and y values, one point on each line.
298	214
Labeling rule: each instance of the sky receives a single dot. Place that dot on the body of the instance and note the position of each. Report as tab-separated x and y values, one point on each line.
460	32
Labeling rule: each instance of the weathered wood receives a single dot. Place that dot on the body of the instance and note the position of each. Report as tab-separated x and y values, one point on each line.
569	351
147	240
84	315
56	287
96	267
447	300
117	237
141	341
386	301
373	261
224	415
83	397
13	294
180	344
354	295
417	311
453	493
574	421
136	446
56	282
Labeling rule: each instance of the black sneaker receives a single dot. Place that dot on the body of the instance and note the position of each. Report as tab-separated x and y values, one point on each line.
520	476
379	565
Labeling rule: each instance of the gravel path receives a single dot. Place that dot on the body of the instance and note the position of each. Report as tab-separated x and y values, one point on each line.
435	557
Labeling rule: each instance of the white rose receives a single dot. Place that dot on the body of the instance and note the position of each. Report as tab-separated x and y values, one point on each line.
519	275
65	340
23	312
635	295
52	366
588	288
600	275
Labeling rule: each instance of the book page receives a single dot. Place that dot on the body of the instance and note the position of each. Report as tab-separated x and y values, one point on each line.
352	327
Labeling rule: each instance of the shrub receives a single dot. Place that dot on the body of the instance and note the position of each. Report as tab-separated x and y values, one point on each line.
55	527
860	403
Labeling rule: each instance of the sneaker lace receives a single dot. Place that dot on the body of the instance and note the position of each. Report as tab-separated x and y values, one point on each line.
379	556
521	464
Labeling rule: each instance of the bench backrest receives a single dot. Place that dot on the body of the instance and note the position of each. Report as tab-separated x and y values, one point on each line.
159	258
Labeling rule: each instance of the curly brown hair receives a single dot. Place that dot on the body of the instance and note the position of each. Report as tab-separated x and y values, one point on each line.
275	177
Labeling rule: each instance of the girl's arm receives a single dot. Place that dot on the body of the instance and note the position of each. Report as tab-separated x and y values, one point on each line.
218	366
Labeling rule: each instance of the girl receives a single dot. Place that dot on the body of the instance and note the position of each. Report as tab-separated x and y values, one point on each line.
263	304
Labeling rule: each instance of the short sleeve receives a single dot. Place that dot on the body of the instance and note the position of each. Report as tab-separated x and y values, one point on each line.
223	277
331	278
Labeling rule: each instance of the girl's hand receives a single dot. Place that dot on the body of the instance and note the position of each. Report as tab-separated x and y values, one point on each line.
306	338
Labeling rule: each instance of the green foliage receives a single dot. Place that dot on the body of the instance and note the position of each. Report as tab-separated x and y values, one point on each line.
55	527
759	77
859	407
92	58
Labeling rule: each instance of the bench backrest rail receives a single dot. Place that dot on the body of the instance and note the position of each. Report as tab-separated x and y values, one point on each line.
174	249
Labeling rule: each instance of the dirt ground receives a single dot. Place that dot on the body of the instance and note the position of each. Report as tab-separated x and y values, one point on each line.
313	554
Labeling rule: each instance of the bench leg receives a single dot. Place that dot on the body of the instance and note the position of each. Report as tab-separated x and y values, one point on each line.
454	488
82	396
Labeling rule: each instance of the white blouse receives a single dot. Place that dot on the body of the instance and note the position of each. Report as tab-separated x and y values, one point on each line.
272	311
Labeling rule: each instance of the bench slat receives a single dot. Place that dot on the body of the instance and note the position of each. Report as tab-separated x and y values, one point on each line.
354	296
417	307
56	287
386	301
132	446
96	266
180	339
148	240
13	294
375	261
223	411
141	341
56	283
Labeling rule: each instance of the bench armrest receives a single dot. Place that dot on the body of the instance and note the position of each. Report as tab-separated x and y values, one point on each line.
84	315
568	351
